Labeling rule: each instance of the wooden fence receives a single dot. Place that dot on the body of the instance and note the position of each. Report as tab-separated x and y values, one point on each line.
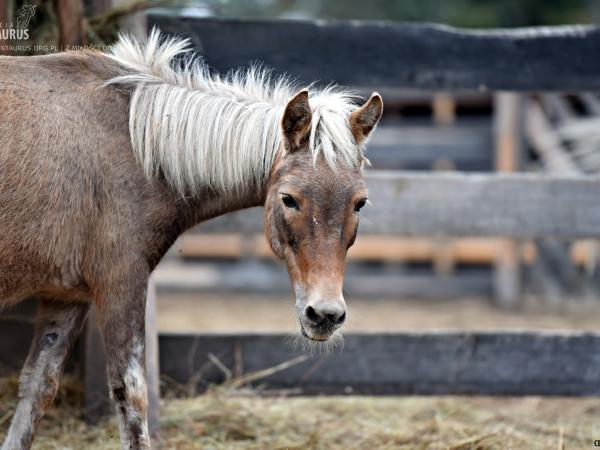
403	58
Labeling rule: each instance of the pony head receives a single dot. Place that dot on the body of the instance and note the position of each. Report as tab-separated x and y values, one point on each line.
314	197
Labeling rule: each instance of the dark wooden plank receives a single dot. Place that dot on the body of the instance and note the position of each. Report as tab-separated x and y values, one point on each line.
428	363
398	98
380	54
457	204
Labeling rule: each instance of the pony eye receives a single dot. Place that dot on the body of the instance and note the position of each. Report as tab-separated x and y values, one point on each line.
359	204
289	201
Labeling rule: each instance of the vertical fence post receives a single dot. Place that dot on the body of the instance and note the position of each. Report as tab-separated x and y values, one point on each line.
152	368
70	23
444	115
508	115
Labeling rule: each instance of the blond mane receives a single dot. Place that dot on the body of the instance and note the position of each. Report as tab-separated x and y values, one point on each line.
204	130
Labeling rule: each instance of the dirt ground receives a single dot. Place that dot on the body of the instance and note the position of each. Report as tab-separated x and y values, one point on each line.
243	313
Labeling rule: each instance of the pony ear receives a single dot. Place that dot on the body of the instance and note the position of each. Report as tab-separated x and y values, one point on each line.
296	121
364	119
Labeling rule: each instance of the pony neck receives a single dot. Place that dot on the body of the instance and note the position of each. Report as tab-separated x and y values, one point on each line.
209	204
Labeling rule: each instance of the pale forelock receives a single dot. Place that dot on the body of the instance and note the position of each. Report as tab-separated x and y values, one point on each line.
203	130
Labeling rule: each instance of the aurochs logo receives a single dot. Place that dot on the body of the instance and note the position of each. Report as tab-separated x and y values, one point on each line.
20	32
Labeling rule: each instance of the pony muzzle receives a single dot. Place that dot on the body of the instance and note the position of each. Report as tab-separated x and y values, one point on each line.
321	318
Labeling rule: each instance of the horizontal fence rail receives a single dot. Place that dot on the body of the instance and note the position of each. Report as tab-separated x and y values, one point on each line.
456	204
432	363
268	277
395	364
467	144
397	55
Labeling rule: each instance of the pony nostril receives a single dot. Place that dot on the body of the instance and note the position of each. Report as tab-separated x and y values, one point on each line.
325	313
336	319
340	320
312	315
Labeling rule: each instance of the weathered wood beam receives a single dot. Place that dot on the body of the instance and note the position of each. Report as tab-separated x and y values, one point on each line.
457	204
417	146
379	55
444	114
546	142
508	117
174	277
524	363
135	24
558	107
70	23
443	108
508	131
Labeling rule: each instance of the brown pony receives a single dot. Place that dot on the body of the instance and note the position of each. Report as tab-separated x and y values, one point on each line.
105	159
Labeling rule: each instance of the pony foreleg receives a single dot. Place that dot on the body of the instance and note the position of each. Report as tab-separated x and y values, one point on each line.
121	314
57	326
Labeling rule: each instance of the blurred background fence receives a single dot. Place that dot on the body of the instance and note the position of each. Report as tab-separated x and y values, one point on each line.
448	109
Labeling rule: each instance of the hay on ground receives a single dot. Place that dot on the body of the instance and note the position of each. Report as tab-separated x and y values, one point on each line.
232	419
